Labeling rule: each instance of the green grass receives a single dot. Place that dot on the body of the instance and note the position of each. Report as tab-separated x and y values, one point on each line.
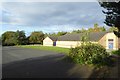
117	52
48	48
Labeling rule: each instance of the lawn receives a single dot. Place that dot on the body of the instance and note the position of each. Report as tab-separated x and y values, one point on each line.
48	48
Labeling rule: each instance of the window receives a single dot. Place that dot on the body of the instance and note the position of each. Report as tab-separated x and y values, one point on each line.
110	43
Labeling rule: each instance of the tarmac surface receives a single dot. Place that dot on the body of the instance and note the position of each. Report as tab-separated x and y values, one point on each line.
30	63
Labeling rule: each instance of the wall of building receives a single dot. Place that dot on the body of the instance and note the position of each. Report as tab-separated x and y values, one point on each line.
115	42
102	41
118	43
69	44
47	42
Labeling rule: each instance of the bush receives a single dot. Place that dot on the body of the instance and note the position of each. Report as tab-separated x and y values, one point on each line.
89	54
117	52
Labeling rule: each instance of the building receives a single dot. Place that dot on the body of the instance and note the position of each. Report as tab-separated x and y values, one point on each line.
118	43
107	39
50	41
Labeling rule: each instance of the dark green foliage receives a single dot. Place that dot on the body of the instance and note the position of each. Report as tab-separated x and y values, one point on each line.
112	14
56	34
9	38
21	38
117	52
36	37
61	33
102	28
89	54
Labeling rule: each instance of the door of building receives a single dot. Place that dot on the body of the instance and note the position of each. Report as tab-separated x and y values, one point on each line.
54	43
110	43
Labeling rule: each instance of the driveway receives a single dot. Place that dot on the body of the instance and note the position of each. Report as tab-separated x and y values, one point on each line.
12	54
31	63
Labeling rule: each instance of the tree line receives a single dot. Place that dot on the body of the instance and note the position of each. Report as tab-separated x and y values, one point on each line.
95	28
11	38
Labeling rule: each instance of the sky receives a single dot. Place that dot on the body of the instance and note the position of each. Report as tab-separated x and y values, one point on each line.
50	17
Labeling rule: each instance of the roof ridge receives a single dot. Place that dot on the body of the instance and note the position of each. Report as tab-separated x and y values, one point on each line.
94	36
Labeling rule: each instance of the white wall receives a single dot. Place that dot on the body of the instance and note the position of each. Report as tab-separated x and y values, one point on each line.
47	42
69	44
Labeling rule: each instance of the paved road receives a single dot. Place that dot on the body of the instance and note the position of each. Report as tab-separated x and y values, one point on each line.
0	61
12	54
30	63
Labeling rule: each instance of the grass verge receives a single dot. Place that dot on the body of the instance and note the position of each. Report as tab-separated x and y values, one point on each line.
117	52
48	48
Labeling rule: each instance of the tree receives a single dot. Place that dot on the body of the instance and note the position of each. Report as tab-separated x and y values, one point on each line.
0	40
102	28
113	29
96	25
56	34
85	38
52	34
112	15
21	38
97	28
79	31
36	37
9	38
61	33
45	35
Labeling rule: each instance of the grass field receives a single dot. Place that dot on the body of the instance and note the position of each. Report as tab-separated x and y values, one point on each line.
48	48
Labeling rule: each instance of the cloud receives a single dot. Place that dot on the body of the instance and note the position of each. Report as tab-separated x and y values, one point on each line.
49	1
52	13
47	15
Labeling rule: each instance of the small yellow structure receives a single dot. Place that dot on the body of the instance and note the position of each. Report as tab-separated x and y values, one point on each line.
50	41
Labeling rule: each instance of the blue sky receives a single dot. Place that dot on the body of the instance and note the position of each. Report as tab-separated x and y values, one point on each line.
50	17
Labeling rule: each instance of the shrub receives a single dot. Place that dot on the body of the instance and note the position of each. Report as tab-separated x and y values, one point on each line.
89	54
117	52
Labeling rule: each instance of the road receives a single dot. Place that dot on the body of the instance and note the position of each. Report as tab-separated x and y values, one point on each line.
0	61
31	63
12	54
